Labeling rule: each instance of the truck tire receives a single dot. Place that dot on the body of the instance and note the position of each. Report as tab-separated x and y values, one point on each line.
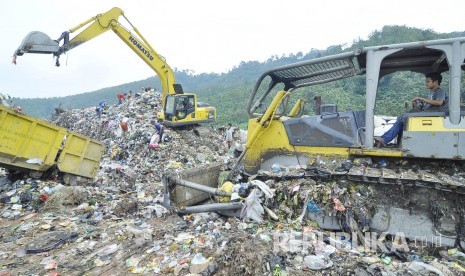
69	179
36	174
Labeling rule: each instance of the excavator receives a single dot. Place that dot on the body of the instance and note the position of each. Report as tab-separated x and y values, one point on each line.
179	109
415	187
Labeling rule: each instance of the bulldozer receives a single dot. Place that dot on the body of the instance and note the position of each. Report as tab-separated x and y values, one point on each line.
414	187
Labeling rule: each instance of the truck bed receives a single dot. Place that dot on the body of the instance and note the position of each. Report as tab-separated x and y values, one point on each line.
32	144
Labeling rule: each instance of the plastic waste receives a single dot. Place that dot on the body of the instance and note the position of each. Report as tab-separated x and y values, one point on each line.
227	187
21	252
198	259
153	146
242	192
455	253
52	264
265	237
235	196
421	267
304	211
132	262
159	210
413	258
263	187
317	262
338	204
14	199
370	260
459	267
253	208
385	258
153	249
276	168
17	207
46	260
35	161
108	250
271	213
383	163
312	207
324	249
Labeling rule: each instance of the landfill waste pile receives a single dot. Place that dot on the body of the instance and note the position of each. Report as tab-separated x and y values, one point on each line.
119	224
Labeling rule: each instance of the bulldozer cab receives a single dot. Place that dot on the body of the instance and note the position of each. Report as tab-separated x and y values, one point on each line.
347	133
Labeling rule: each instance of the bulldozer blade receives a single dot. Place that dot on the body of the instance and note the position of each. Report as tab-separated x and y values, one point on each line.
37	43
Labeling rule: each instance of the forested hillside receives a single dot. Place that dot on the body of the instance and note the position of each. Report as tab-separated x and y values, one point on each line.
229	92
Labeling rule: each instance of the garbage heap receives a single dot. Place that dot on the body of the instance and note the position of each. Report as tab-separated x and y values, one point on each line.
133	148
118	224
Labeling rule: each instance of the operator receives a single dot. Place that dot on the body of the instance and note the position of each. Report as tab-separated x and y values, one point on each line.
437	98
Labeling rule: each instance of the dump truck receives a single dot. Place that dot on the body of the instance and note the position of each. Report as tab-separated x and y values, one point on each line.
34	146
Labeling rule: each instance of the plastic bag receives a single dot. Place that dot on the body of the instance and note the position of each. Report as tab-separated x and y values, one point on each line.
159	210
421	267
262	186
312	207
198	259
317	262
253	208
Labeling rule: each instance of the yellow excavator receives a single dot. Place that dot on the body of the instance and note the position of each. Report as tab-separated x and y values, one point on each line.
179	108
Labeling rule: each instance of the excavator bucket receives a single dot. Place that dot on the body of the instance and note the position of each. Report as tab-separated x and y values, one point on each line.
37	43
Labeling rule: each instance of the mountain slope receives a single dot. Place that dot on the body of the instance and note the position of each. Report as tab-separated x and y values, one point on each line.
229	92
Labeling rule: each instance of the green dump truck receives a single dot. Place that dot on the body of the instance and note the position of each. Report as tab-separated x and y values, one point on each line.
34	146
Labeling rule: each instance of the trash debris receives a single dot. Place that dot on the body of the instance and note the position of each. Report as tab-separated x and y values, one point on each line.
126	220
253	210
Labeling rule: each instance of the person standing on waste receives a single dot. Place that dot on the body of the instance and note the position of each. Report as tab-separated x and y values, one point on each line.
124	124
102	106
160	130
121	97
230	135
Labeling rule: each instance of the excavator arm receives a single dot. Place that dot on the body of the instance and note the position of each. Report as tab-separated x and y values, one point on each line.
176	109
37	42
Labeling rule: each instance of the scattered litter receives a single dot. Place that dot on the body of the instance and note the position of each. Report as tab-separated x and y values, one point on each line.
121	222
35	161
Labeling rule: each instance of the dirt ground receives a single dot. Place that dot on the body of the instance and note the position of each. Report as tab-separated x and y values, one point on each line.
118	224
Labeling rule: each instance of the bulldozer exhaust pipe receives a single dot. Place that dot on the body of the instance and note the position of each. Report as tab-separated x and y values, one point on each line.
198	187
214	207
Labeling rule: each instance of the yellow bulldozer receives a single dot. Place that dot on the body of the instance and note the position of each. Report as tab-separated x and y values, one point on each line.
415	186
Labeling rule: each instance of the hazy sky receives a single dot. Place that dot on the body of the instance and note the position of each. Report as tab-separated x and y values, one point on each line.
203	35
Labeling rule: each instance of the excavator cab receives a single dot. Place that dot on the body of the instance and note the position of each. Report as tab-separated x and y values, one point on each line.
184	110
178	107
